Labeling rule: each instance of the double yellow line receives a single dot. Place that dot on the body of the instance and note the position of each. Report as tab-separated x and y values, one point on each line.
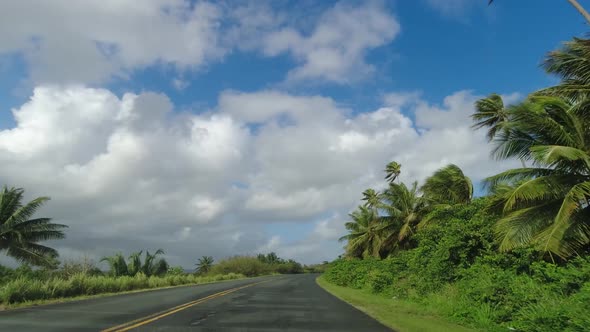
158	315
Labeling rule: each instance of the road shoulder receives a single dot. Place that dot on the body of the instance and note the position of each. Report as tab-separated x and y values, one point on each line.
398	315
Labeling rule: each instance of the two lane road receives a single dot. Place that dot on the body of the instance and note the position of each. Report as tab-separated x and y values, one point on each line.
277	303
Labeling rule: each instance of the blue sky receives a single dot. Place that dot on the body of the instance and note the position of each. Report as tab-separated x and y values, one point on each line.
301	103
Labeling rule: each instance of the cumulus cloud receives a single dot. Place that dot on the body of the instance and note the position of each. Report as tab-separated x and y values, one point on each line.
128	172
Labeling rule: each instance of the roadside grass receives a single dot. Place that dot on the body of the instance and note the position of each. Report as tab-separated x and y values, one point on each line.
197	281
397	314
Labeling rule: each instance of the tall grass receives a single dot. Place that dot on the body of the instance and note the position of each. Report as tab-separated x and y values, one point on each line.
24	289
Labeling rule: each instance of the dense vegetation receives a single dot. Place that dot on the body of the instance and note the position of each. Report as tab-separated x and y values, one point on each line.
253	266
516	258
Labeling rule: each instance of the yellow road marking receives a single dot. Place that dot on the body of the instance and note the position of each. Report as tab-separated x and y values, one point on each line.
153	317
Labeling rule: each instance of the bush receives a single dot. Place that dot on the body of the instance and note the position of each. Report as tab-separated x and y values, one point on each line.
246	265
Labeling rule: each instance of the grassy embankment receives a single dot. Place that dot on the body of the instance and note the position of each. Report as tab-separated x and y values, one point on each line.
397	314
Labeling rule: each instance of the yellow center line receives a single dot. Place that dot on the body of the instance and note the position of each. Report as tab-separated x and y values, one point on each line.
158	315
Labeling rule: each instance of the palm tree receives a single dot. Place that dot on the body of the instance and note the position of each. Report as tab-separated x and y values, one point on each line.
448	186
117	265
405	208
363	238
19	235
134	265
204	264
392	171
548	205
152	267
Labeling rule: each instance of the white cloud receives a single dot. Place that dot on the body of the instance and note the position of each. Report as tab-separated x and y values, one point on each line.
454	8
262	106
95	41
128	172
336	47
92	41
180	84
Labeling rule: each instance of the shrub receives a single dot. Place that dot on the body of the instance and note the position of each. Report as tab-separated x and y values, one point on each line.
379	281
246	265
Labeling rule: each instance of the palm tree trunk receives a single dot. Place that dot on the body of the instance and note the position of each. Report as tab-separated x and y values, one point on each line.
580	9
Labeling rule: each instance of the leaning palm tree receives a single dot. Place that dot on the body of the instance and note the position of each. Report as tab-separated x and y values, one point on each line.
392	171
205	264
19	234
405	208
548	204
448	186
363	238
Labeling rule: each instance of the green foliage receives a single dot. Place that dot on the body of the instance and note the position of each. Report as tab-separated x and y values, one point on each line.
448	186
20	235
246	265
289	267
455	270
175	271
252	266
316	268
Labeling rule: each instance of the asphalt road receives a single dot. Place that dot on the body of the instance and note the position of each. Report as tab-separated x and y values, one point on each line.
278	303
